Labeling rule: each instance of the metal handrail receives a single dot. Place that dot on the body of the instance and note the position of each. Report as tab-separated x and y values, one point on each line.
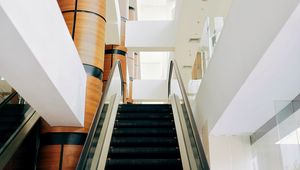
87	145
7	99
203	161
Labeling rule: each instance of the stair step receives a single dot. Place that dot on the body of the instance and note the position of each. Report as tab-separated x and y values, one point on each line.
145	108
150	110
144	138
143	164
126	106
144	152
11	119
142	132
14	109
143	123
144	141
134	116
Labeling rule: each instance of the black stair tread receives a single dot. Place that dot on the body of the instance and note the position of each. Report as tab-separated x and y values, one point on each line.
144	132
144	164
144	108
144	141
145	105
140	110
12	109
144	137
4	137
4	130
11	118
144	152
133	116
143	123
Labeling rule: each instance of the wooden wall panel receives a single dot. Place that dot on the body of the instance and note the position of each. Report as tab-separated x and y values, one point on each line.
49	157
95	6
89	37
69	19
71	154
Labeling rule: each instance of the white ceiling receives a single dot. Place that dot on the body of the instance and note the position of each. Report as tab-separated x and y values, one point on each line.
155	9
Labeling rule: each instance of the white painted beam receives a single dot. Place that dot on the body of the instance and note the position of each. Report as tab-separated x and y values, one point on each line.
150	35
39	59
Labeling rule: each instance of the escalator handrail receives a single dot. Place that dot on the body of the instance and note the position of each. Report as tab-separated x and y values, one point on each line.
7	99
88	142
173	65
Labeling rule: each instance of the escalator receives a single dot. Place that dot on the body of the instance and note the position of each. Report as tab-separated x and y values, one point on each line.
144	137
18	134
11	116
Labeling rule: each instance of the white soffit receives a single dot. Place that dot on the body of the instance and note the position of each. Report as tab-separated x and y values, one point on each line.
39	59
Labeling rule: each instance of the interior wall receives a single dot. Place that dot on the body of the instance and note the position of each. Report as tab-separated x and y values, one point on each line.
280	147
230	153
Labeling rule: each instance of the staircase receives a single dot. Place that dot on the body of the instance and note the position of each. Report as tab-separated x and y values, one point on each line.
11	116
144	137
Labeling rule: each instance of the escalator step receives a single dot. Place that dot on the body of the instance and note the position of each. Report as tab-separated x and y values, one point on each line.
133	116
142	132
12	109
143	164
160	111
143	123
144	152
144	106
144	141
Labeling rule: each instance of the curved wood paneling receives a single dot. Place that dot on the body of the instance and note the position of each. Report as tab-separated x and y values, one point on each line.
111	55
69	19
93	6
89	39
66	5
49	157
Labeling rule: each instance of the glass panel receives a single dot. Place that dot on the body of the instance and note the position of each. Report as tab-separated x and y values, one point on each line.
115	86
279	147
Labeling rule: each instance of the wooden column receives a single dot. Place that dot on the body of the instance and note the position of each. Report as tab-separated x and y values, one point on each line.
85	19
112	54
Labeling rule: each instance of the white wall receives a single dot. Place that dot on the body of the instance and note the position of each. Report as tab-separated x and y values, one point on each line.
243	42
272	79
279	148
230	153
150	35
113	22
39	59
150	90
